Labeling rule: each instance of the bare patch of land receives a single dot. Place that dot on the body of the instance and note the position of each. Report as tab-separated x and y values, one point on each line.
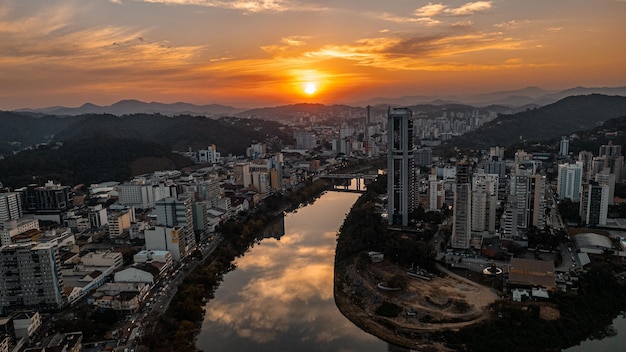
445	302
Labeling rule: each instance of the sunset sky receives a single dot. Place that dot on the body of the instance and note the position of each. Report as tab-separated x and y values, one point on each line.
250	53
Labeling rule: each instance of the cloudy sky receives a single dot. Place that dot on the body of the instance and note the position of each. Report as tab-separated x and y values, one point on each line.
250	53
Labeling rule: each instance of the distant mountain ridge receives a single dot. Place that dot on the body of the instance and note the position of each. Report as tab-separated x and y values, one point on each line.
516	100
131	106
521	98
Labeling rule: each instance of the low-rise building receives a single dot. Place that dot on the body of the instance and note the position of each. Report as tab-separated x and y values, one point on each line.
26	324
134	275
114	259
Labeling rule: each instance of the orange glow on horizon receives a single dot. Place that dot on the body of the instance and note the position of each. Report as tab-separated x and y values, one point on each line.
288	56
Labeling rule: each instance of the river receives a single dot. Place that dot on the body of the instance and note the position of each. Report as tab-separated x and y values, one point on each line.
280	297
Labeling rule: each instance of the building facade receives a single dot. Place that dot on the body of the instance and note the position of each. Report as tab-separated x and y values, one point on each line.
462	208
10	207
401	185
569	180
30	277
594	204
173	212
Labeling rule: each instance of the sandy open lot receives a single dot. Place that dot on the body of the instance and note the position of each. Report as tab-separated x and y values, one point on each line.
445	302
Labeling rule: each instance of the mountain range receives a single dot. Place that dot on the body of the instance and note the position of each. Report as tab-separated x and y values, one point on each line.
515	100
518	100
126	107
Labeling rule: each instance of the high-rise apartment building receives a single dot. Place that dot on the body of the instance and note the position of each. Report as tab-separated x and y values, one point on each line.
484	203
564	146
611	156
172	212
402	194
424	157
242	175
586	158
509	219
496	153
495	167
462	209
594	204
436	193
48	201
569	181
529	195
610	150
305	140
10	207
608	179
30	277
209	190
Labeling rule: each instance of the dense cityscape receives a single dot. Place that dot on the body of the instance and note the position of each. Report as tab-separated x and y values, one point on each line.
291	175
117	250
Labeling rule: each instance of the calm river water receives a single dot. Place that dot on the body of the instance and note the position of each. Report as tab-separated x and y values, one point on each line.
280	297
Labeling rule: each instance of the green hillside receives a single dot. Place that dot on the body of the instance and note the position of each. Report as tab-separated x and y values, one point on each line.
87	161
96	148
21	130
551	121
230	135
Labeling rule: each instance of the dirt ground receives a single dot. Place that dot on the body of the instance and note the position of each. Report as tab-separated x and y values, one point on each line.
448	301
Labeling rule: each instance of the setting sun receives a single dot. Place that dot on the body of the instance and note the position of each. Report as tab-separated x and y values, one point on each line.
310	88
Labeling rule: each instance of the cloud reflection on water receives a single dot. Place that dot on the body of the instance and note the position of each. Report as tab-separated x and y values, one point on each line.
286	285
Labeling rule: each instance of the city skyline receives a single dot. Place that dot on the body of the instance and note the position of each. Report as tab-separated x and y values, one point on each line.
272	52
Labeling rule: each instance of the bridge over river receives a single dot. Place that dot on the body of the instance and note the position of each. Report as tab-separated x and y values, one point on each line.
345	180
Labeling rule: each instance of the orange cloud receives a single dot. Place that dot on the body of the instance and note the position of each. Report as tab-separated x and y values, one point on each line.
251	6
469	8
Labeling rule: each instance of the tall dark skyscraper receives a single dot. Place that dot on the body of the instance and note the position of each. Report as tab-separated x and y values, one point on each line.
461	215
401	166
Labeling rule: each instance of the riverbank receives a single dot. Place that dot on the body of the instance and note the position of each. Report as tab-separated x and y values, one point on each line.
178	326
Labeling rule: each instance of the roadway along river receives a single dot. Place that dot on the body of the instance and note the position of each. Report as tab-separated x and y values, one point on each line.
280	297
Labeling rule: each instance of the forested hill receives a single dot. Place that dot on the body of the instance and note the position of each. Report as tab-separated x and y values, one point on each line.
21	130
613	131
230	135
87	161
96	148
551	121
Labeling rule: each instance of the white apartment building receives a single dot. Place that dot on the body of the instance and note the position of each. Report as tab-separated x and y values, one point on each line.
166	239
484	203
569	181
144	194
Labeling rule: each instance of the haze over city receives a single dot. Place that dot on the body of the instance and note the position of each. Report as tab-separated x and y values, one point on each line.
272	52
